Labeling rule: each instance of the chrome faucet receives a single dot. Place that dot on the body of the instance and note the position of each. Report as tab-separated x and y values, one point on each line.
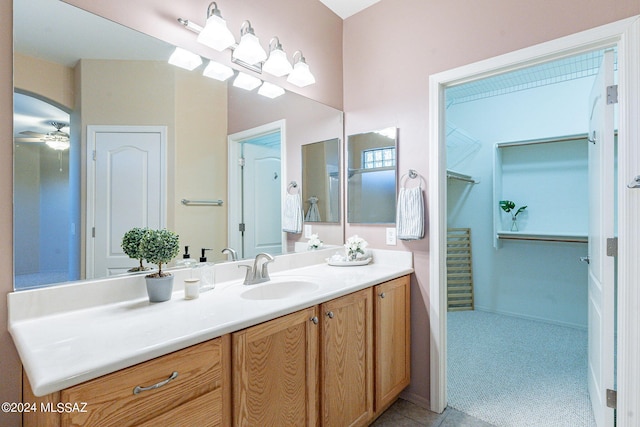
255	275
234	254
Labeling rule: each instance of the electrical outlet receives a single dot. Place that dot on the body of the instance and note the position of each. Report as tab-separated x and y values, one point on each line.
307	231
391	236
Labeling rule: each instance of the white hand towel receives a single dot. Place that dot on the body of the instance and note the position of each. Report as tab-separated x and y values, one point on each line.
313	214
410	214
292	215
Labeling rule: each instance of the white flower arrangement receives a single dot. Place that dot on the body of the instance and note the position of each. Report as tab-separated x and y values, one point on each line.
355	245
314	242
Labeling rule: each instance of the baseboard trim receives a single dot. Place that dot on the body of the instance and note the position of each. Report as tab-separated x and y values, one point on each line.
527	317
416	399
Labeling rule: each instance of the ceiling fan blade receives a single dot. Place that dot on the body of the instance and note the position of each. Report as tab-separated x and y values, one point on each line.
28	140
32	134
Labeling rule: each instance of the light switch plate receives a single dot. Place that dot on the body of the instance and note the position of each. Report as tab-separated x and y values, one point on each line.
307	231
391	236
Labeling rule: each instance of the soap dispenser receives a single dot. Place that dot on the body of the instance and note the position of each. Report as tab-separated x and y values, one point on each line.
203	258
186	253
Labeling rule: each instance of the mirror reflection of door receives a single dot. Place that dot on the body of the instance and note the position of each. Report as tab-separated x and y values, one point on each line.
42	223
125	189
257	197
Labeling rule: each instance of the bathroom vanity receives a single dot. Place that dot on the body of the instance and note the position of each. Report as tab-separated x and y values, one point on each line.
316	345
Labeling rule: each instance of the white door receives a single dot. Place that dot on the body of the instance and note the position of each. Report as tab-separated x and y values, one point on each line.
127	190
262	185
601	227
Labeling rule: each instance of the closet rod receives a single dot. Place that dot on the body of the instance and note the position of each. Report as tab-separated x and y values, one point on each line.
543	238
569	138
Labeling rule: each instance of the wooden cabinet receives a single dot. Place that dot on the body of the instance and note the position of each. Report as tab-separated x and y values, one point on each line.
340	363
347	360
392	341
193	389
275	367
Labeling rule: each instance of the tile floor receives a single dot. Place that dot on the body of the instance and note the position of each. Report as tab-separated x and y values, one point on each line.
406	414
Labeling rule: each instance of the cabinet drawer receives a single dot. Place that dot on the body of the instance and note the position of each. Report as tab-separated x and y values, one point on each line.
111	399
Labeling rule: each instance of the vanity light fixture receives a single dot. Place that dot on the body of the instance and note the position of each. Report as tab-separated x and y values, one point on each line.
270	90
246	82
277	64
184	59
218	71
300	76
249	49
215	33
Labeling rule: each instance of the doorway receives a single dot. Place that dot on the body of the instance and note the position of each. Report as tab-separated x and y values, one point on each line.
255	190
521	136
623	34
42	217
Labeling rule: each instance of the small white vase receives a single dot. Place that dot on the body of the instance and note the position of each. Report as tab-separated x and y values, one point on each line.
159	289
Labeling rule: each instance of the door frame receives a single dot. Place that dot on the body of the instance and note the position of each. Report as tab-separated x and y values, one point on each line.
624	34
234	211
92	131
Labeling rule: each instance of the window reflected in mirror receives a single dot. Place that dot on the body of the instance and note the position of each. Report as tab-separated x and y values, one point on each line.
321	181
372	177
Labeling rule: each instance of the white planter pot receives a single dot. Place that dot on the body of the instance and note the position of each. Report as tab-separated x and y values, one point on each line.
159	289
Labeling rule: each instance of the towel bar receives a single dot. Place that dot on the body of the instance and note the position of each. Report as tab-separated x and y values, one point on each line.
187	202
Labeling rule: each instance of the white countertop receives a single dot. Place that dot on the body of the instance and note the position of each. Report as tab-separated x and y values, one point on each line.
60	349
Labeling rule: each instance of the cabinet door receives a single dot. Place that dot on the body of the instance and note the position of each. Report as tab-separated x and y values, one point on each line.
201	376
275	372
347	360
392	338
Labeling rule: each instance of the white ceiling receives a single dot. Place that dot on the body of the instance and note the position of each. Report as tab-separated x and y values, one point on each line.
346	8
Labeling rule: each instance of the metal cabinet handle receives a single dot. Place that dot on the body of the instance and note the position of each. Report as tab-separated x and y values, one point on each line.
314	319
381	294
330	314
139	389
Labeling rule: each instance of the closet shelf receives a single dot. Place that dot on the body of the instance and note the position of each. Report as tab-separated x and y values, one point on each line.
546	237
461	177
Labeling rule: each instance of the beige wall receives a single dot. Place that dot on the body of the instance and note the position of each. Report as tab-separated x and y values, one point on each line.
47	79
391	49
201	163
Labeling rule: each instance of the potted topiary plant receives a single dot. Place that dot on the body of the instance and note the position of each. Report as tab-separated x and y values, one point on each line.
159	247
131	246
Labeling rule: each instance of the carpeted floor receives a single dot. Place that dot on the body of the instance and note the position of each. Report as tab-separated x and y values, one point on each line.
513	372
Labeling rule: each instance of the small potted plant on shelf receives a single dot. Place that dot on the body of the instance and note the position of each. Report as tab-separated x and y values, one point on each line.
509	207
131	246
159	247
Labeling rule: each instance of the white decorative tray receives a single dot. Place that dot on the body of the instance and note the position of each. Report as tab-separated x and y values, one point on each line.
345	263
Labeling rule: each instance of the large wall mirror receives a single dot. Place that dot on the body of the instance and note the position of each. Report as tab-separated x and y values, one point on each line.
321	181
97	84
372	177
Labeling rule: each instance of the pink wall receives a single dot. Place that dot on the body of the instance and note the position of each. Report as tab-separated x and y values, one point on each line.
305	25
10	369
391	48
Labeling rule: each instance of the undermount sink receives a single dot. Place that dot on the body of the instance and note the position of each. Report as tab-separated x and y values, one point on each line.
279	289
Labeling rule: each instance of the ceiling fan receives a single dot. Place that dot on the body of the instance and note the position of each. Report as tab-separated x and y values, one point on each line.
57	139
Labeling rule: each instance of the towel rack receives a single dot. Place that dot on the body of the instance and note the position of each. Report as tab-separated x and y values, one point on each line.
188	202
292	185
412	174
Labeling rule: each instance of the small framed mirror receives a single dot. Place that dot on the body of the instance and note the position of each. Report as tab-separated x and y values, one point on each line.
372	177
321	181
